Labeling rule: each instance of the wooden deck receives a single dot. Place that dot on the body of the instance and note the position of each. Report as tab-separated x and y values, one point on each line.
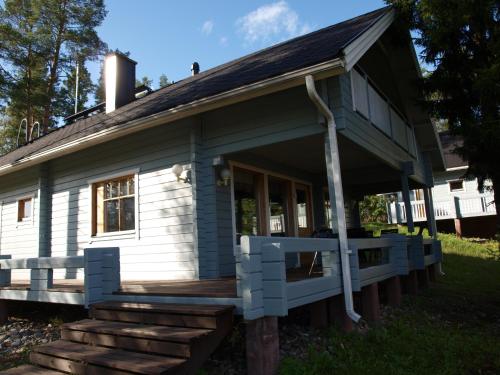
216	288
222	288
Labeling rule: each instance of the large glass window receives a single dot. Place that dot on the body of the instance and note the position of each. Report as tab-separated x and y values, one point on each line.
114	205
246	201
279	194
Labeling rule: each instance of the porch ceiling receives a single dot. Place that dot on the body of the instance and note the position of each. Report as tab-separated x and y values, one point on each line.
362	172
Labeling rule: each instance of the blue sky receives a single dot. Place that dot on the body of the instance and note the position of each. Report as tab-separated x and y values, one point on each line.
166	36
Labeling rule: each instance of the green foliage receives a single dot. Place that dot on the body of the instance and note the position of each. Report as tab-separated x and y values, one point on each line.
462	43
144	81
163	81
451	328
373	209
40	40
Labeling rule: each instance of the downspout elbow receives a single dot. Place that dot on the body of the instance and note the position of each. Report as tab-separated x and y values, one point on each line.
344	251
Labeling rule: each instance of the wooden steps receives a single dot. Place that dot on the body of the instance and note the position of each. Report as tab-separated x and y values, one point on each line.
29	369
135	338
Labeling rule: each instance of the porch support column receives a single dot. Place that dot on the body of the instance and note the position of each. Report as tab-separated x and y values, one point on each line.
337	314
370	302
407	170
336	191
393	290
262	346
319	206
4	313
44	211
203	182
410	282
429	203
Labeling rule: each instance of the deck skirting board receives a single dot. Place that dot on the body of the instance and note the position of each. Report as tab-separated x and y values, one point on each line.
68	298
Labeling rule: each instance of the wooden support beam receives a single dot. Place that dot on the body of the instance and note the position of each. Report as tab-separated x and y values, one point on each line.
4	312
458	227
407	170
370	303
319	314
262	346
393	291
423	278
410	283
337	314
432	272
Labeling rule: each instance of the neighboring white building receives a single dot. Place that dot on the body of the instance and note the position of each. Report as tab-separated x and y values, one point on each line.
458	204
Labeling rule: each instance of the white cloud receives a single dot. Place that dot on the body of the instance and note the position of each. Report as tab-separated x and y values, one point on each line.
223	41
207	27
271	22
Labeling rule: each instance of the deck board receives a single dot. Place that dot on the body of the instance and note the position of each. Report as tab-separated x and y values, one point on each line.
215	288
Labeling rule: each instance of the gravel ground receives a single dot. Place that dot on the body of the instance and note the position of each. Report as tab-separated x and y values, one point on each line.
19	335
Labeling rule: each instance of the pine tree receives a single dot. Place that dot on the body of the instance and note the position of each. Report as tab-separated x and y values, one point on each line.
462	42
39	40
163	81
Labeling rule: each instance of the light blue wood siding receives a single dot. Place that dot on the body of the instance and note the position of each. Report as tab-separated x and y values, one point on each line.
163	247
19	239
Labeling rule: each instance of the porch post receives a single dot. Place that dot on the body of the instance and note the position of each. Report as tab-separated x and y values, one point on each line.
407	170
203	183
44	211
429	203
319	205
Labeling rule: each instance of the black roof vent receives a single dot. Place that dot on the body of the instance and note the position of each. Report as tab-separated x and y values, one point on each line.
195	68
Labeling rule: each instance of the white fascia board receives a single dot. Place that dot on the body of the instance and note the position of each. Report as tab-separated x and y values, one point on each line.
358	47
282	82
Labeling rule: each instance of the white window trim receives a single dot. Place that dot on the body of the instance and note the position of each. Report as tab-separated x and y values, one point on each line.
31	220
125	234
463	190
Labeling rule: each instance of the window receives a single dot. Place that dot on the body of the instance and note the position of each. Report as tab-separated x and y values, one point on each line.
113	205
24	209
457	185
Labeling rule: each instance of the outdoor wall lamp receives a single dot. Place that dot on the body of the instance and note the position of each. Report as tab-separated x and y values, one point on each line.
178	170
225	177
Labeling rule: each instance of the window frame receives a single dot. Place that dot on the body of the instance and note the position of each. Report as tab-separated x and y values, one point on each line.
124	234
456	190
28	220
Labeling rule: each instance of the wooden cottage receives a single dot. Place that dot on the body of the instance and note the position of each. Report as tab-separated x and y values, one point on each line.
459	205
201	199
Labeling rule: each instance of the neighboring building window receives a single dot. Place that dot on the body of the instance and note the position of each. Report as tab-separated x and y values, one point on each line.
24	209
114	205
456	185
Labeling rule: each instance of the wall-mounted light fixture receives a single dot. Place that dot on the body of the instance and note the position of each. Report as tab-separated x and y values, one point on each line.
225	177
178	170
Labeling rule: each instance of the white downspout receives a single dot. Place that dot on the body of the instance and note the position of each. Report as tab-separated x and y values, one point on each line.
339	197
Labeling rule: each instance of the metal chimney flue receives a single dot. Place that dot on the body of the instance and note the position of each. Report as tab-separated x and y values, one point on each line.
119	73
195	68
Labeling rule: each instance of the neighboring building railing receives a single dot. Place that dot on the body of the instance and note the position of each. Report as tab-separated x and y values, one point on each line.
101	275
454	208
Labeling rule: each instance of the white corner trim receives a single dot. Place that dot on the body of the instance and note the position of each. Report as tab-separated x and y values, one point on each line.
358	47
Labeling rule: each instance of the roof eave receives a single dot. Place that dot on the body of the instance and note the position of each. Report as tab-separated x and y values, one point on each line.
243	93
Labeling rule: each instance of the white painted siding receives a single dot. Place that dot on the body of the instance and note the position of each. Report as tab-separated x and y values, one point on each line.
19	239
162	246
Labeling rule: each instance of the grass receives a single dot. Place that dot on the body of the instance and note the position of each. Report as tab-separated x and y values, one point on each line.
451	328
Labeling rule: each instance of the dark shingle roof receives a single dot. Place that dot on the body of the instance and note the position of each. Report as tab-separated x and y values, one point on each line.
449	143
301	52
